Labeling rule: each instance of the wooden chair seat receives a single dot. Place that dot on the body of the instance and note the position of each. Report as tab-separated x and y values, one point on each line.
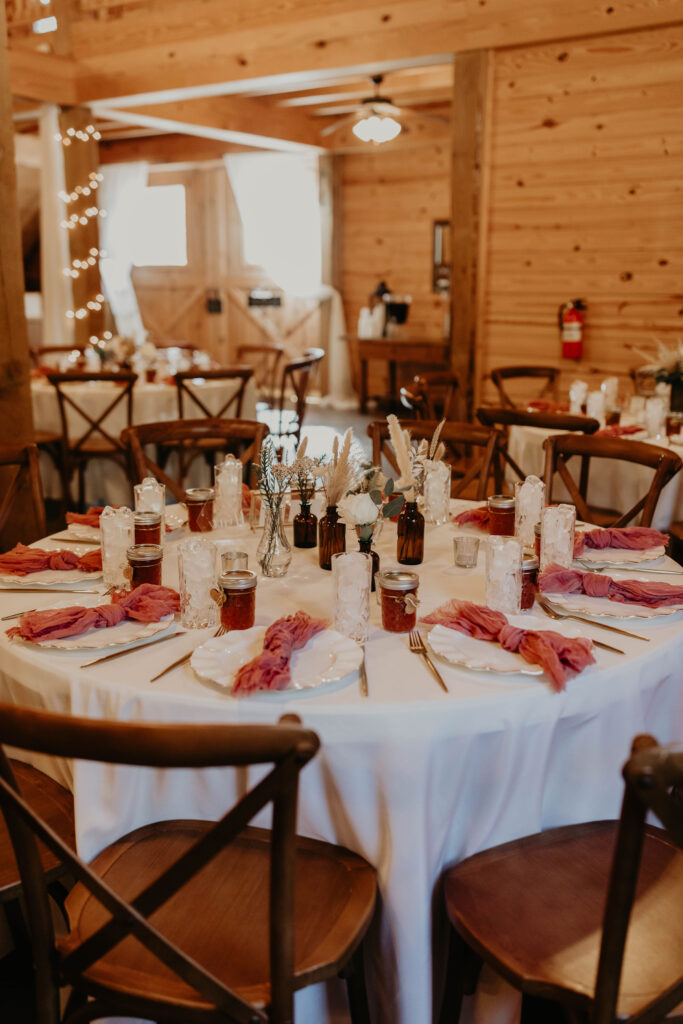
334	902
55	804
535	908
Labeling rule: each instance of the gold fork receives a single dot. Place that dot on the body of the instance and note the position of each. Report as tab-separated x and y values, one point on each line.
186	657
417	646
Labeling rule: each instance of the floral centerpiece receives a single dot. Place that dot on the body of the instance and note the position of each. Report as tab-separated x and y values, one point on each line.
413	460
368	508
667	368
274	479
339	476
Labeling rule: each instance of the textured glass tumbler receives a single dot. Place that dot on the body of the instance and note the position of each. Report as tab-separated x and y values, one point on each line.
352	576
437	492
557	535
117	530
504	574
150	496
465	550
197	572
227	510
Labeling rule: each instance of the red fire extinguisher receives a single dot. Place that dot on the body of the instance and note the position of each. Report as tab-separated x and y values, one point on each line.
571	317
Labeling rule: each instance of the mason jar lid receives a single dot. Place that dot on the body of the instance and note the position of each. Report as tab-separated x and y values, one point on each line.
147	518
537	529
199	494
501	502
397	579
529	562
238	579
144	554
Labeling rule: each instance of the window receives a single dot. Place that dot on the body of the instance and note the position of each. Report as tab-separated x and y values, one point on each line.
158	228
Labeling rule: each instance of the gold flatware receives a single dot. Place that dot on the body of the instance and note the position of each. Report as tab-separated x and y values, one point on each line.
556	613
599	567
596	643
132	650
186	657
46	590
417	646
363	677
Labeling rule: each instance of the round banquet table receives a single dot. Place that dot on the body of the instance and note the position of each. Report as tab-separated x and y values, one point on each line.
612	484
152	403
412	778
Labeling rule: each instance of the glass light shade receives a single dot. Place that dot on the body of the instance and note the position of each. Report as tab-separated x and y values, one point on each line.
376	129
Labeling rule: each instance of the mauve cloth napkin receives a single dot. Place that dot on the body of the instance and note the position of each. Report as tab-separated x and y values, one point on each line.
557	580
558	655
147	603
473	517
269	670
22	560
628	538
89	518
544	405
619	430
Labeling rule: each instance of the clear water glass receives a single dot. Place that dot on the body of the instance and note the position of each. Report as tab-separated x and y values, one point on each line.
150	496
437	492
466	550
198	573
504	574
231	560
228	486
352	576
578	390
595	406
530	499
117	530
558	524
655	417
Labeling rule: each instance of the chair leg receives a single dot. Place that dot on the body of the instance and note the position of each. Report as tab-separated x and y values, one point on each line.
81	486
354	975
461	978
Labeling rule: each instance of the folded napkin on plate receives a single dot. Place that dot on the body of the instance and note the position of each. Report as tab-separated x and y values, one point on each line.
147	603
557	580
619	430
22	560
89	518
473	517
628	538
269	670
558	655
544	405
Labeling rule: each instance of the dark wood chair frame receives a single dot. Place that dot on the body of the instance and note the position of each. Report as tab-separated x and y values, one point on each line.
242	438
296	377
503	373
287	746
39	351
653	777
560	448
459	439
267	359
420	395
75	454
23	459
241	374
503	419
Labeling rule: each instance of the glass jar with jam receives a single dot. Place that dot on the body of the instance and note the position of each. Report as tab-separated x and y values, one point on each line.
501	515
529	580
331	537
147	528
144	564
238	598
199	501
398	597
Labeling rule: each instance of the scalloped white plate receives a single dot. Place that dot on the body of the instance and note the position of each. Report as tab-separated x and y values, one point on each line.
601	607
50	578
127	632
615	558
326	659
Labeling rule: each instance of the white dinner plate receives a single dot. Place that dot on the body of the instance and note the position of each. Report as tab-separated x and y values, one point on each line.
617	558
76	532
602	607
484	656
126	632
49	578
175	515
326	659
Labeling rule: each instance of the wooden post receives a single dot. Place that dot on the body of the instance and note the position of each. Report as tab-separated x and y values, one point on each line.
331	230
471	132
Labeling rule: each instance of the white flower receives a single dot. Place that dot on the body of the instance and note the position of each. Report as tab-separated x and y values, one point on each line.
358	510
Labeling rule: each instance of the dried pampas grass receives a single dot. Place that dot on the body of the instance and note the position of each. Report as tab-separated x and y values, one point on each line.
341	474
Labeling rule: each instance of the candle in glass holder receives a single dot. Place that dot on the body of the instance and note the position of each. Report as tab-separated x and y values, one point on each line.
228	488
150	496
437	491
530	495
197	570
234	560
557	535
117	530
352	576
504	574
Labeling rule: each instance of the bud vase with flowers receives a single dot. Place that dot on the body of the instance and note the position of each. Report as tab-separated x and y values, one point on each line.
411	459
367	511
305	522
274	478
339	476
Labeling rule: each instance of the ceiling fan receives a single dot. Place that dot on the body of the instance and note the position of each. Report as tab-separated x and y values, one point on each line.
376	118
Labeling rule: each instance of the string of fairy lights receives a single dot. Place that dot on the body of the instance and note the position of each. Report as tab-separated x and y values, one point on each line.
73	221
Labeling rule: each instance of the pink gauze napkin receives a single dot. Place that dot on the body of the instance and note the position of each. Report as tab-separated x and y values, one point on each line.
559	656
544	405
473	517
269	670
89	518
22	560
619	430
557	580
147	603
628	538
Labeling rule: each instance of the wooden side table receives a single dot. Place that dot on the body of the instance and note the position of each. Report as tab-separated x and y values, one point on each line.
428	352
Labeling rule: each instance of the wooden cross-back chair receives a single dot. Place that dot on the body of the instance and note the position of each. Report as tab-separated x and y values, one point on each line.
265	360
189	921
503	419
470	450
613	886
560	448
190	398
241	438
39	352
549	374
433	396
23	469
96	441
296	381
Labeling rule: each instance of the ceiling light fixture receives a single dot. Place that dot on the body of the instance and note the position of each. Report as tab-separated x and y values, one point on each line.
377	128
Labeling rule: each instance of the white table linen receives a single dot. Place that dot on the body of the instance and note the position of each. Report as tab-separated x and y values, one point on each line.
611	484
412	778
152	403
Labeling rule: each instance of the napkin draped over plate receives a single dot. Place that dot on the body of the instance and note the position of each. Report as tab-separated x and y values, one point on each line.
22	560
558	655
557	580
147	603
89	518
269	670
473	517
628	538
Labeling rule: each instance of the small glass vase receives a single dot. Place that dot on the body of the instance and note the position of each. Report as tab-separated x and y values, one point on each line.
365	545
274	553
331	537
410	539
305	525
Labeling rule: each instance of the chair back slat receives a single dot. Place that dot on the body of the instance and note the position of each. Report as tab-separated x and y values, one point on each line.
297	376
239	375
122	395
549	374
265	361
504	418
22	462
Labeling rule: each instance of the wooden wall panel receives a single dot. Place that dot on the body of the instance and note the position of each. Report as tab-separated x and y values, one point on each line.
586	199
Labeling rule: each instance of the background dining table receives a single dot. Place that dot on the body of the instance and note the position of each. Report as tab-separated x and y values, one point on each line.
152	403
412	778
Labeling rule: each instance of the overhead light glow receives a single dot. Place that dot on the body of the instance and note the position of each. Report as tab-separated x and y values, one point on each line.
376	129
43	25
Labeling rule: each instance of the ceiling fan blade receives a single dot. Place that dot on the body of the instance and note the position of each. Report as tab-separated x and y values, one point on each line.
330	128
422	115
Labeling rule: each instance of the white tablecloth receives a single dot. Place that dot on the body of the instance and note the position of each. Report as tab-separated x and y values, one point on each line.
105	483
611	484
411	778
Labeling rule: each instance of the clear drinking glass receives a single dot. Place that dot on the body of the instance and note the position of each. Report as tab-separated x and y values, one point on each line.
150	496
578	391
530	495
198	572
595	406
466	550
655	417
352	576
228	486
234	560
557	535
504	574
117	529
437	491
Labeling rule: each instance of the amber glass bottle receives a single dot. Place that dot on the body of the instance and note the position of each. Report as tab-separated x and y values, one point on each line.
366	546
410	541
331	537
305	525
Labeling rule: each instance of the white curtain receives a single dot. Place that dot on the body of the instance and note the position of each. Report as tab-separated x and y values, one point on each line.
120	194
55	287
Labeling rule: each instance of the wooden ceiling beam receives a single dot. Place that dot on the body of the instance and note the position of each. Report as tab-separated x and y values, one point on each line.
48	77
167	149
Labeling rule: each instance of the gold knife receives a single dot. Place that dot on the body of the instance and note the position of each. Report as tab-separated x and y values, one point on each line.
363	677
175	664
132	650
